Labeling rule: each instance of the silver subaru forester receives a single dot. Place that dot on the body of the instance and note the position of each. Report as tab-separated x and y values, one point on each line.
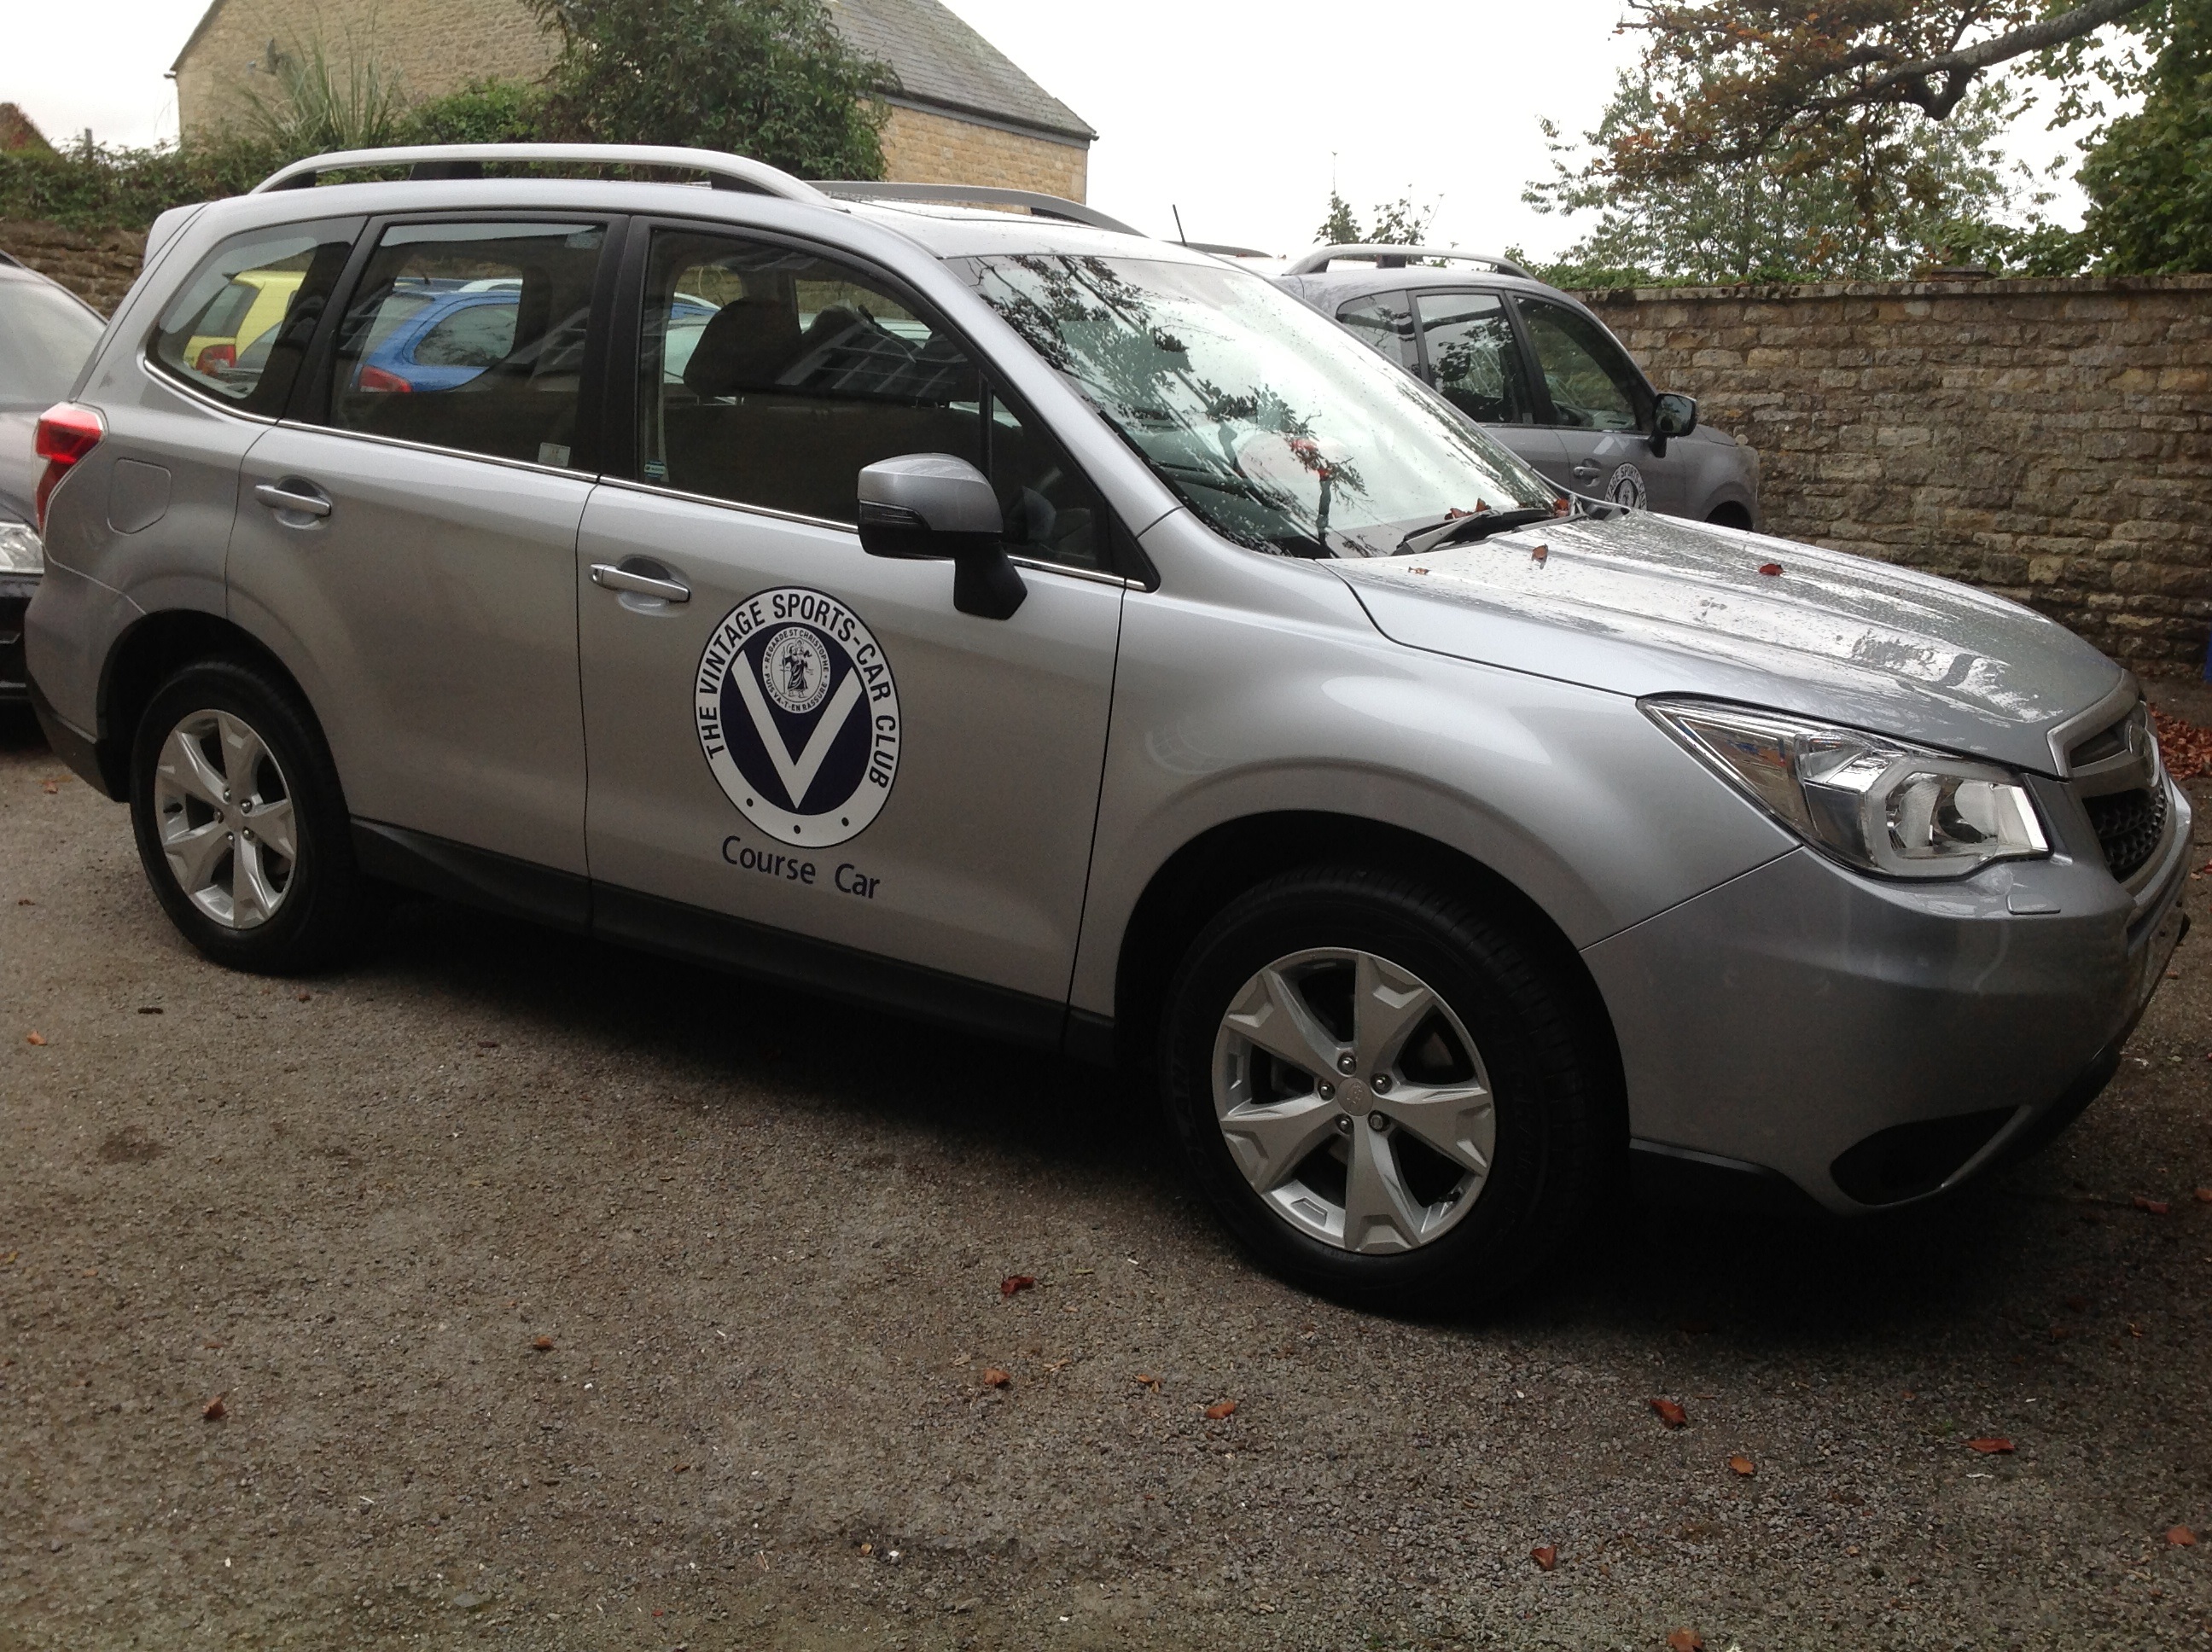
1001	618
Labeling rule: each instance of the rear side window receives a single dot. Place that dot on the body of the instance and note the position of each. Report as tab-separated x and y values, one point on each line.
471	337
1384	323
45	337
239	328
771	377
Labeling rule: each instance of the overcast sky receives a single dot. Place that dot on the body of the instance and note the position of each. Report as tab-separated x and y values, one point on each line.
1237	111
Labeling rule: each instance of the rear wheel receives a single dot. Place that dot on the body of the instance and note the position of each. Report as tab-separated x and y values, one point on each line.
240	825
1379	1089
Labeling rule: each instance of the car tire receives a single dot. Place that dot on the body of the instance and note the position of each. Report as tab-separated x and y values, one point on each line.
1505	1025
241	825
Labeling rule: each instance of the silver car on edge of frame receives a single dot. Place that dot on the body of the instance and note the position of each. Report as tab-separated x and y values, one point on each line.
1010	621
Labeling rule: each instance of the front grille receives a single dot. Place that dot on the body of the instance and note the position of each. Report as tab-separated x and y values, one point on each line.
2129	825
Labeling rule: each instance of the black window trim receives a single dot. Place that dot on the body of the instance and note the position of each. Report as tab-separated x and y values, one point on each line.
310	403
1128	565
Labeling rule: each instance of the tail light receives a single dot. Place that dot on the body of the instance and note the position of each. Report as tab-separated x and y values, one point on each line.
217	357
378	379
67	432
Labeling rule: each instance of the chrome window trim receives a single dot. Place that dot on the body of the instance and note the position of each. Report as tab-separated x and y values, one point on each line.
159	373
432	447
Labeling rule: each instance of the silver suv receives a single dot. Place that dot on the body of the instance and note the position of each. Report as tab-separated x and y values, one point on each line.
1015	622
1539	371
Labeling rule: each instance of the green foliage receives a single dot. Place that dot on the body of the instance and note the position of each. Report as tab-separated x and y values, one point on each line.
321	104
1396	223
2149	175
772	79
127	188
483	111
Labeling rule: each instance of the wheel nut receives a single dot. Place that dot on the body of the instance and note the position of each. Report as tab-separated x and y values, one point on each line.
1328	1091
1378	1121
1344	1122
1380	1084
1346	1062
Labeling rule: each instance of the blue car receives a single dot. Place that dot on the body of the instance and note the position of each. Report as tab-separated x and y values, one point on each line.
452	332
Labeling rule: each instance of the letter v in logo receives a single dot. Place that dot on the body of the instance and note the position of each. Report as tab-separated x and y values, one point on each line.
833	787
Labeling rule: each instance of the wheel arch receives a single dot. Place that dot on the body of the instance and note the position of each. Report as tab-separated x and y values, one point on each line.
144	657
1205	875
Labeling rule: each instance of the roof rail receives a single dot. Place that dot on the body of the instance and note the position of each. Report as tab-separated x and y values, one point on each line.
1397	258
729	171
1043	206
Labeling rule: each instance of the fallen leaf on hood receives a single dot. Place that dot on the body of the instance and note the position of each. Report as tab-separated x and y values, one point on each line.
2180	1537
52	786
215	1411
2156	1206
1992	1445
1685	1640
1669	1413
1545	1555
34	1038
1743	1465
995	1378
1770	569
1539	555
543	1344
1014	1282
1221	1409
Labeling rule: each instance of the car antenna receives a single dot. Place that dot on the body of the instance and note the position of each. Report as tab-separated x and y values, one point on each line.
1180	236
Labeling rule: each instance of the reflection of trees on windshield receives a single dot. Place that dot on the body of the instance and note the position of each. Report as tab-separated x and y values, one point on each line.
1253	454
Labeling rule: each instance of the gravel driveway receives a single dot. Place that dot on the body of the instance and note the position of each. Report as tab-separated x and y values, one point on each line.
557	1297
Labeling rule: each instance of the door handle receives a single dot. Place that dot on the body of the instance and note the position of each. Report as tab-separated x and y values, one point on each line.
279	498
1585	471
621	579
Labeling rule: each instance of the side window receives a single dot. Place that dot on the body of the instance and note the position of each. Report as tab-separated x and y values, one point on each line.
239	328
1594	384
470	335
771	377
1474	361
1050	510
1384	323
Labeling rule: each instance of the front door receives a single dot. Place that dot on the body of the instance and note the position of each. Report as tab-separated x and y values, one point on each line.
787	731
1600	411
410	553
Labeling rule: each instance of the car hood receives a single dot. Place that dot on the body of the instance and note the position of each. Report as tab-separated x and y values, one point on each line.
1645	604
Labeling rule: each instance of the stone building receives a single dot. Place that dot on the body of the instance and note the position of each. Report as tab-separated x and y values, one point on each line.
963	111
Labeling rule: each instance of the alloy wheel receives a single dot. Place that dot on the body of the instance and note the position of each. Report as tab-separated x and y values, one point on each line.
225	817
1353	1101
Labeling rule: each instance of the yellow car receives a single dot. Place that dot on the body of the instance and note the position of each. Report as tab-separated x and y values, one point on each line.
254	303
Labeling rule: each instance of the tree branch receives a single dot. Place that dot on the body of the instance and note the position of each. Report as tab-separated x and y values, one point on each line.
1961	66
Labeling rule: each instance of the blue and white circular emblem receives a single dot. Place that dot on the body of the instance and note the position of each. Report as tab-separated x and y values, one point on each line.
799	716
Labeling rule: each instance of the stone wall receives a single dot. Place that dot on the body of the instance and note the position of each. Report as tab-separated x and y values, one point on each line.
922	147
2049	439
97	265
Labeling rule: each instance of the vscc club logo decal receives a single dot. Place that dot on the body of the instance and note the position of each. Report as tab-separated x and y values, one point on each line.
799	716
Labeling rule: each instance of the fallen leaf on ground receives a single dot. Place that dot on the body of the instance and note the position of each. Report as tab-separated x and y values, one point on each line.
1545	1555
2204	1195
52	786
1143	1381
2156	1206
1743	1465
304	997
25	901
2186	748
1669	1413
1992	1445
1770	569
149	1008
1685	1640
34	1038
1219	1409
682	1467
995	1378
2180	1537
543	1344
215	1411
1014	1282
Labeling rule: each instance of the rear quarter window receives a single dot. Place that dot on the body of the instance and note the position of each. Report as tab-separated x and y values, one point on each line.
238	327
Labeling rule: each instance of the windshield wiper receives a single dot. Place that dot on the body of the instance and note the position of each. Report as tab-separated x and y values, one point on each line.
1472	525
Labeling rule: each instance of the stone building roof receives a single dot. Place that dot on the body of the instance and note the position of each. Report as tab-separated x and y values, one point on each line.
944	64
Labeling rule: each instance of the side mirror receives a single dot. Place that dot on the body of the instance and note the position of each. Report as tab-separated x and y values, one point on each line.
933	506
1672	414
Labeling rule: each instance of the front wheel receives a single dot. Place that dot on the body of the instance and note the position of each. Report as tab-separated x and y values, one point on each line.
1380	1089
241	827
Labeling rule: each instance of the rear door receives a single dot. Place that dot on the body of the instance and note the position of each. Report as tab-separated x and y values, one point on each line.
409	550
788	731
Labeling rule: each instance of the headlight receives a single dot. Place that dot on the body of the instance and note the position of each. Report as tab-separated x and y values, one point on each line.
20	549
1881	805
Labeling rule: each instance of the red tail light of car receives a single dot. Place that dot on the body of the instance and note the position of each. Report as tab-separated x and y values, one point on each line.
67	432
378	379
216	357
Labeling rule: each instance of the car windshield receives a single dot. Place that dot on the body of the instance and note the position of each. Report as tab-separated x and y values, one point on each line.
45	337
1281	430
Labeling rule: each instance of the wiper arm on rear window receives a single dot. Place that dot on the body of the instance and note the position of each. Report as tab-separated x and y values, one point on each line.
1472	525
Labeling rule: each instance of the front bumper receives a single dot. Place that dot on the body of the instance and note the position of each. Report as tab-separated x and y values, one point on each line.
15	594
1874	1043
